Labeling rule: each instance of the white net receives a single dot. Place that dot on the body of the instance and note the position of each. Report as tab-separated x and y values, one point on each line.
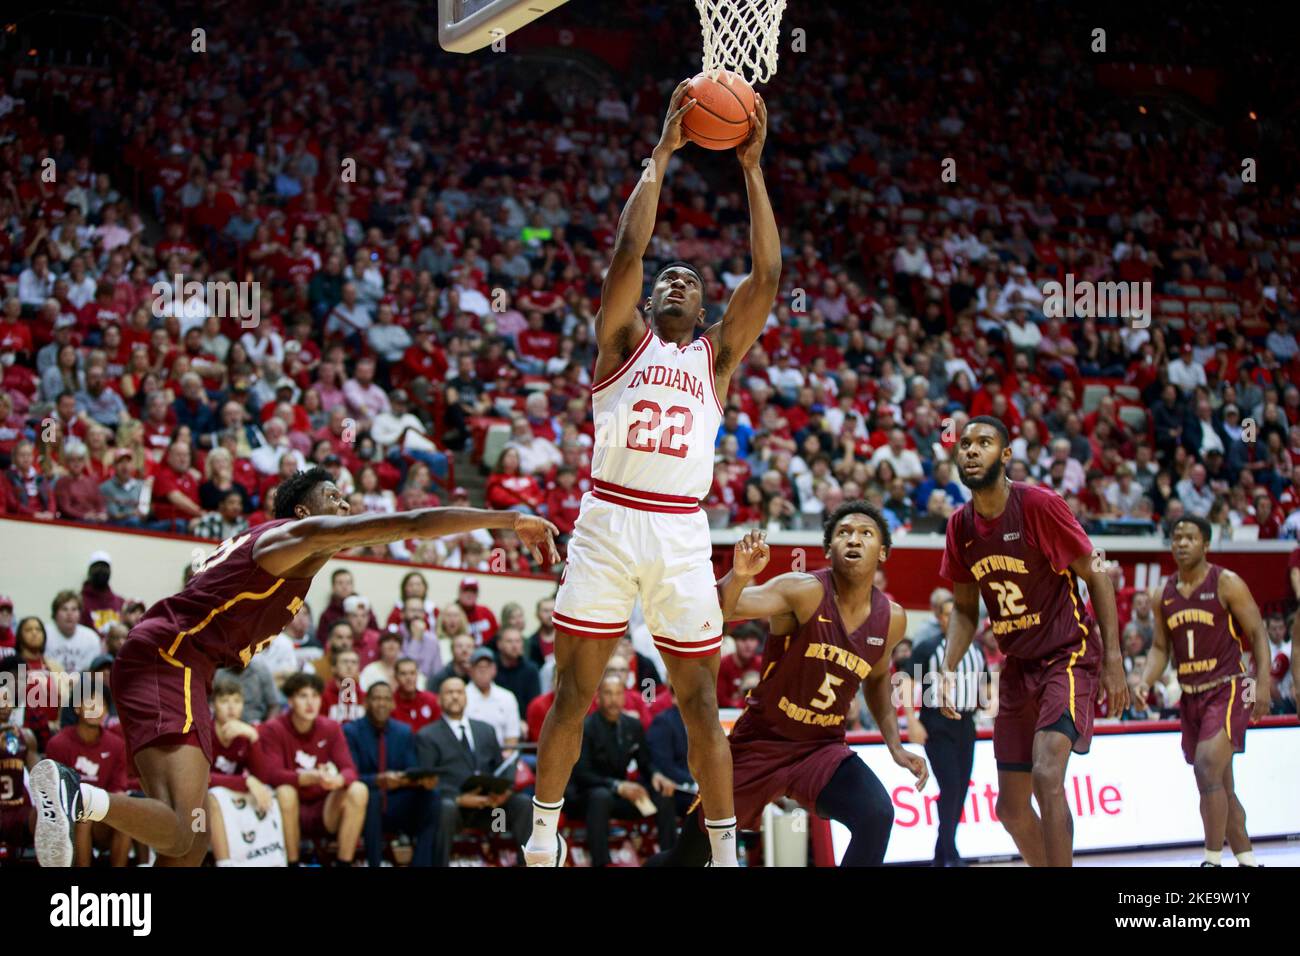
742	36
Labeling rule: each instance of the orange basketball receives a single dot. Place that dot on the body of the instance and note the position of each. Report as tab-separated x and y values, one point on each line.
720	117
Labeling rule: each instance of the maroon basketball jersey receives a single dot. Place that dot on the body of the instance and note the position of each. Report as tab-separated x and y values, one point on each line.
230	609
13	764
810	677
1201	631
1021	562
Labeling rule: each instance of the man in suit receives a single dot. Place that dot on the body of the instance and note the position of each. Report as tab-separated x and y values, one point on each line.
457	748
600	788
667	742
383	749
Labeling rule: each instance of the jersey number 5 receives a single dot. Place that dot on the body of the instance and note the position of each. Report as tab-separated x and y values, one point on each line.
668	444
826	693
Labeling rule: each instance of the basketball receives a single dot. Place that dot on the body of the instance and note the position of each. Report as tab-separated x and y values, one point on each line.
720	118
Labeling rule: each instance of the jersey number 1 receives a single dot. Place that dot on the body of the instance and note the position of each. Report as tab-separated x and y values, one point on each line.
668	444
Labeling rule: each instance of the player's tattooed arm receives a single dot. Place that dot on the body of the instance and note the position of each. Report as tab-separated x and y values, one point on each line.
285	549
751	303
878	691
1236	597
1113	680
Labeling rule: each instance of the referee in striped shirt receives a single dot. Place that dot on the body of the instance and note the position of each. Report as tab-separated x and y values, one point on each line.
949	744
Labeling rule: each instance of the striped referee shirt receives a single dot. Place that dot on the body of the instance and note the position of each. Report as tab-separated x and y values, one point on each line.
972	671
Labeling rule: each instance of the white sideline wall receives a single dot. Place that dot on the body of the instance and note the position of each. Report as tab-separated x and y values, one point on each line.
39	560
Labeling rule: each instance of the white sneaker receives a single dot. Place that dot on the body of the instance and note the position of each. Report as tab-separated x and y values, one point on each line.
543	858
58	804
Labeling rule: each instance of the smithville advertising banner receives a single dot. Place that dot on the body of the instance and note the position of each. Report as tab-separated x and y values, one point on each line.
1132	789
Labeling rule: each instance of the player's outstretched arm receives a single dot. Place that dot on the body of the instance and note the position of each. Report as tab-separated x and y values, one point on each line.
1092	571
878	691
751	303
793	593
618	314
284	549
1241	604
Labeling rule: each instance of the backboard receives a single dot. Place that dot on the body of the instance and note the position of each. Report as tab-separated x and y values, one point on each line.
468	25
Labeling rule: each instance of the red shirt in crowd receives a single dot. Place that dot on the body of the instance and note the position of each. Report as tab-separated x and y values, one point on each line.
167	480
333	705
281	753
731	675
505	491
101	762
230	763
562	507
417	710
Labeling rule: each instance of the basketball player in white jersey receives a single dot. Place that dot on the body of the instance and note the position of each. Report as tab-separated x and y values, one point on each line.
641	532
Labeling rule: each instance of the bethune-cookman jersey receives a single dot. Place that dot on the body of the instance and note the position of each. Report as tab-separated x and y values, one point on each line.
1203	635
230	609
656	420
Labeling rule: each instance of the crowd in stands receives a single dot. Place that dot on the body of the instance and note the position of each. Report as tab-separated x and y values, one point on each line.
451	283
428	238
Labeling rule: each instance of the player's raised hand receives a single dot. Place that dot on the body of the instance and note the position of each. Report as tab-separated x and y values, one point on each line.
673	136
920	769
1114	685
538	536
751	149
751	555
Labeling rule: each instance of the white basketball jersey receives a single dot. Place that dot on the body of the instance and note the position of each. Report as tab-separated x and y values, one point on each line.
657	418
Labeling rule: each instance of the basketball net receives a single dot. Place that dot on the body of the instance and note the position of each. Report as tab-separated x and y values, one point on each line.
742	36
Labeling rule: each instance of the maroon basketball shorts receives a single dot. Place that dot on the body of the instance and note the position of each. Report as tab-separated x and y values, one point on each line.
765	768
15	826
1057	693
161	701
1219	708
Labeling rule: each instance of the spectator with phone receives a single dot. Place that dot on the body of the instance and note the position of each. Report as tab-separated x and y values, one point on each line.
457	748
403	799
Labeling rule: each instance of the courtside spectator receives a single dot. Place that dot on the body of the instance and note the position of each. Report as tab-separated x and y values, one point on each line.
342	698
456	747
383	749
515	672
490	702
232	746
70	644
744	660
601	790
413	704
100	607
100	760
306	758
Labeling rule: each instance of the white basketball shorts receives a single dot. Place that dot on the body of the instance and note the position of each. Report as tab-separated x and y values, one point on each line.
628	543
